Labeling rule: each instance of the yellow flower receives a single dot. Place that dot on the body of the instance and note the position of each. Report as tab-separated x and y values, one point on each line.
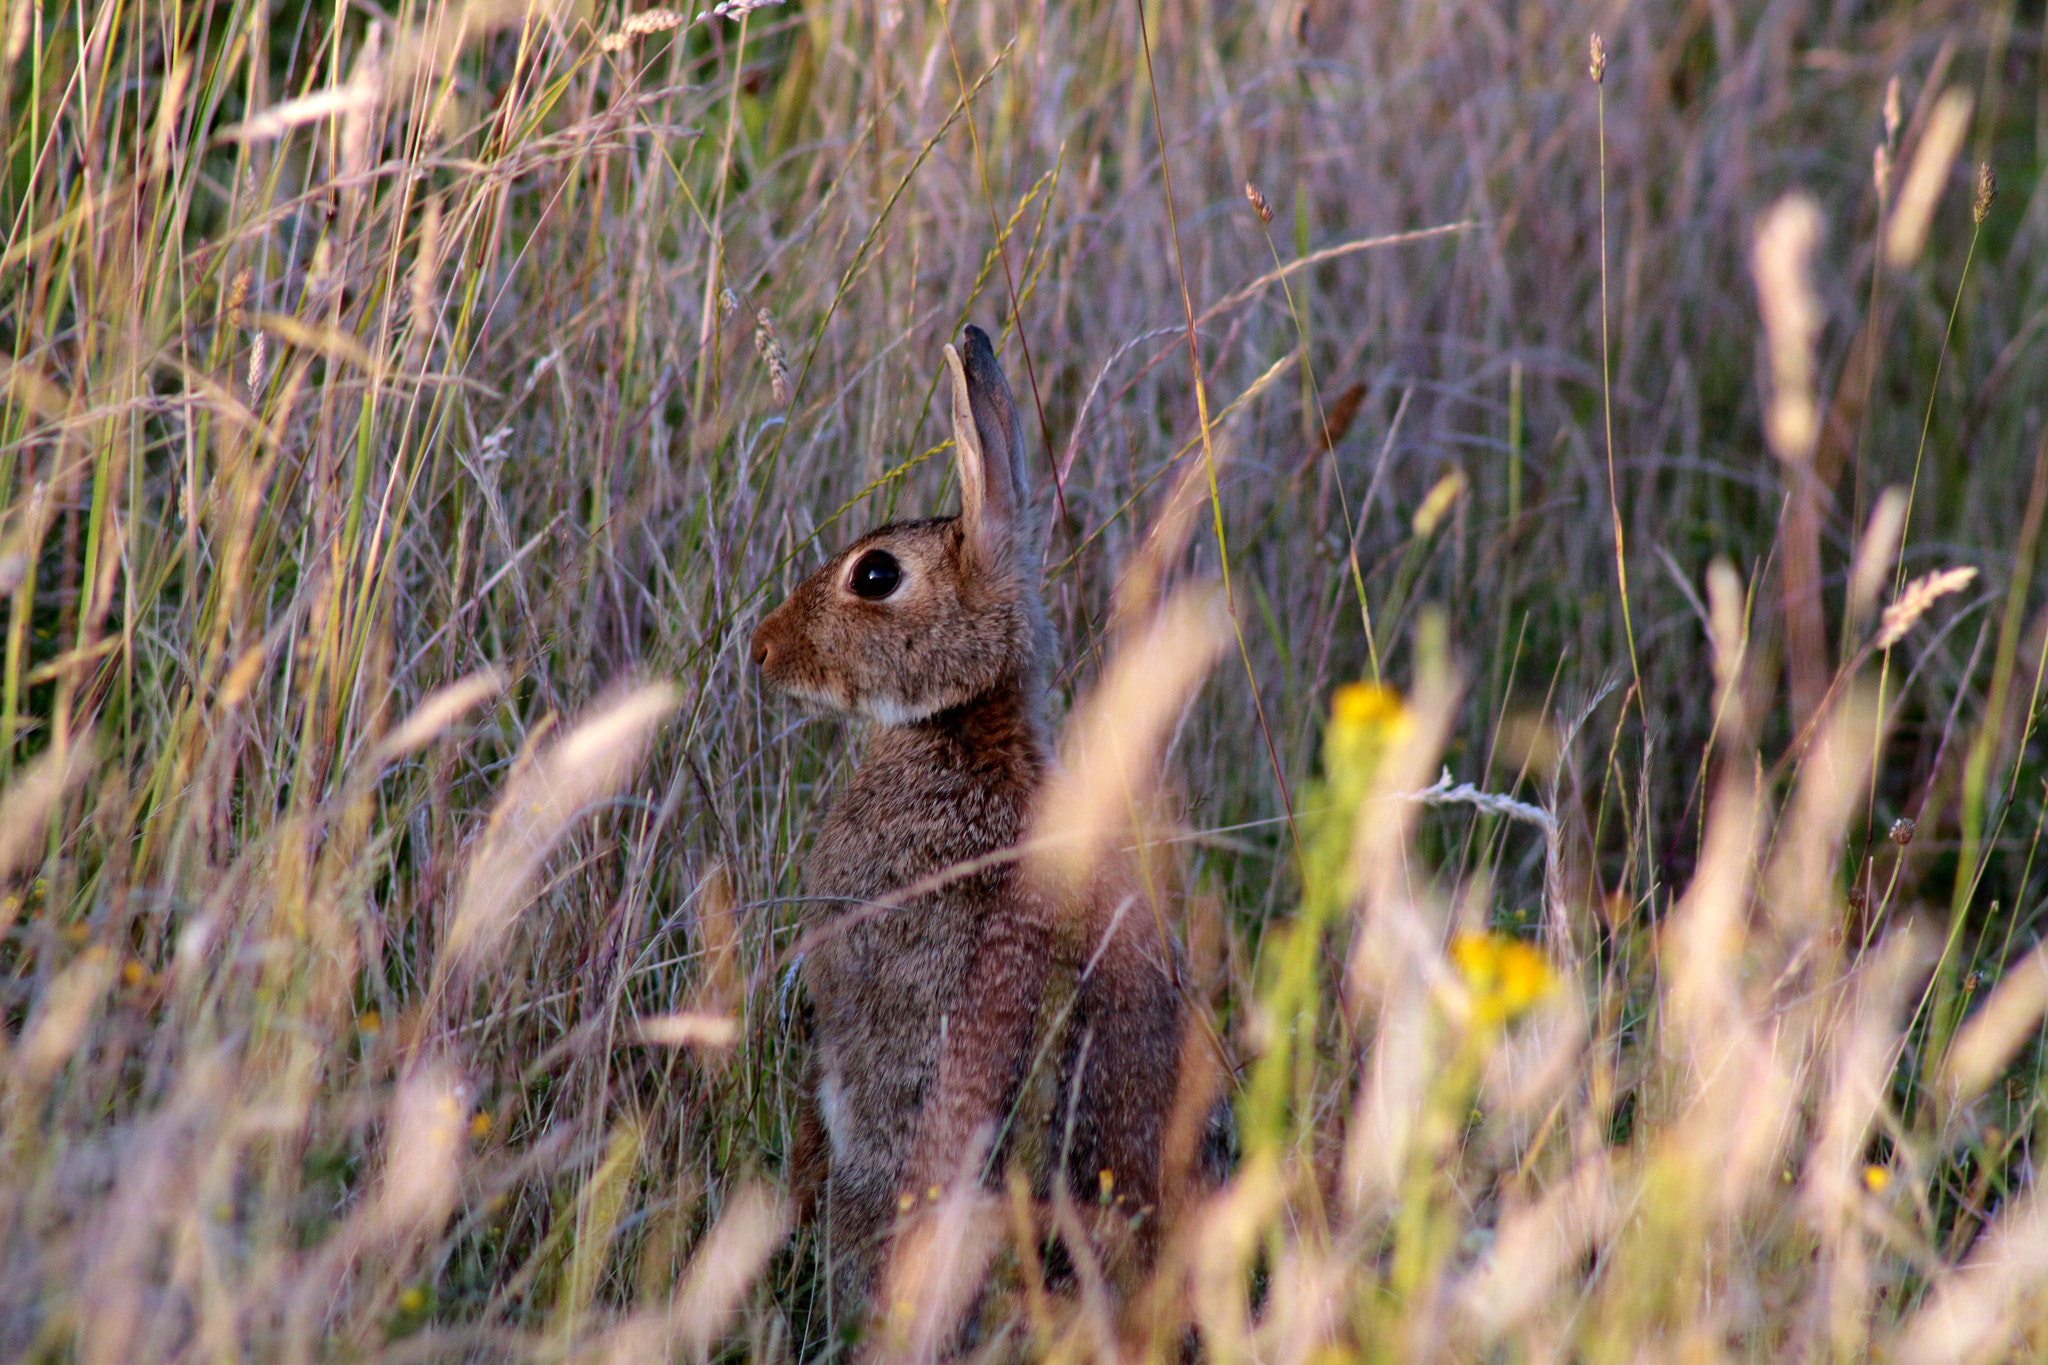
1366	720
1875	1178
1360	706
1505	976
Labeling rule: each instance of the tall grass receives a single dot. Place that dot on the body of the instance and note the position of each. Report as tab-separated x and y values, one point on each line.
406	413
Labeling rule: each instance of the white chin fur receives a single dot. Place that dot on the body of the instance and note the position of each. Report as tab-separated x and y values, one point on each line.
894	711
880	710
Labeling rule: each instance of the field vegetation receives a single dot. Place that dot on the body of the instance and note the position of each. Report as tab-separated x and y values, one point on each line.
1609	842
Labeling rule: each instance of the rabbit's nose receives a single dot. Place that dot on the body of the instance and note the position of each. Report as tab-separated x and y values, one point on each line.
762	650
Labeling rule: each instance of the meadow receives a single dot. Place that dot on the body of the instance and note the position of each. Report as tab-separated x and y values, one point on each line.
1607	841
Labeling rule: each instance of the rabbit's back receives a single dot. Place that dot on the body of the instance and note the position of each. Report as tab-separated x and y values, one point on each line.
1120	1070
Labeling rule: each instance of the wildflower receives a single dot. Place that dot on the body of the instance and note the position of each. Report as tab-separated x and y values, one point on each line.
1363	714
1367	722
1505	976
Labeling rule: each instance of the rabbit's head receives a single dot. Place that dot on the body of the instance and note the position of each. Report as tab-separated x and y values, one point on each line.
918	617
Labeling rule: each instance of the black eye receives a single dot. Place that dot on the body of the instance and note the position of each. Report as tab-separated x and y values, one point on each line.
875	576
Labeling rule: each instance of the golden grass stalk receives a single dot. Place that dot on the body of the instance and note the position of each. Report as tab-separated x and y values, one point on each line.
1792	316
937	1262
1857	1056
1801	882
1537	1245
538	807
1875	551
2006	1022
688	1030
426	1147
1110	752
599	1205
1933	157
1973	1310
1728	635
725	1266
434	717
62	1022
32	800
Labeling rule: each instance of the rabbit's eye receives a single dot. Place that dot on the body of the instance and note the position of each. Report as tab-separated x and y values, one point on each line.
875	576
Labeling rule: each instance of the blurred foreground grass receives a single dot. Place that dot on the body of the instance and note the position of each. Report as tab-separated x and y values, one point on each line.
406	413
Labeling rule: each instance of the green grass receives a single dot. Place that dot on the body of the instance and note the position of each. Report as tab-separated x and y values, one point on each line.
347	362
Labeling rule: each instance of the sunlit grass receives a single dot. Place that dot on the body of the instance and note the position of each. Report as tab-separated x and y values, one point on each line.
406	414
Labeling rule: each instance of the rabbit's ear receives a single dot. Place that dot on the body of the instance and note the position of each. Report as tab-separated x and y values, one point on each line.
988	441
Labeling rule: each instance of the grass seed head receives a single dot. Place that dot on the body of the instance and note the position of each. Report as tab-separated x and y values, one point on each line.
1792	318
639	25
1258	202
769	347
1922	593
238	294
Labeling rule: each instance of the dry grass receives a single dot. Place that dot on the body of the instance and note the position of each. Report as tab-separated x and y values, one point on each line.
405	415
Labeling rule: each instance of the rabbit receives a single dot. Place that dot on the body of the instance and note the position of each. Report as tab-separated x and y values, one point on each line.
962	1007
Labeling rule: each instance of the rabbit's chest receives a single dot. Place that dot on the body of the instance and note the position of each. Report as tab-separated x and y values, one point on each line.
886	960
903	859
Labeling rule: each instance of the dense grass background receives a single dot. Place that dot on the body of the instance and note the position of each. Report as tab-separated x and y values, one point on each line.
354	354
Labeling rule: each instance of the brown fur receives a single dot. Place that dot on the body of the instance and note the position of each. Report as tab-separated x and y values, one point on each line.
930	1009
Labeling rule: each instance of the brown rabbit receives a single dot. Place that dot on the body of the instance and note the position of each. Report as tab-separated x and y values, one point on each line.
963	1004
